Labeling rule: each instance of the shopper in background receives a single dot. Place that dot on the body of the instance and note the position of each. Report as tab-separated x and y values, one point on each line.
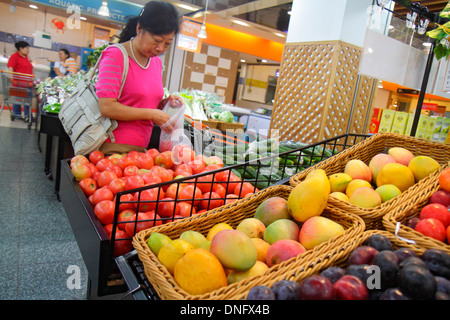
60	66
71	63
19	62
145	37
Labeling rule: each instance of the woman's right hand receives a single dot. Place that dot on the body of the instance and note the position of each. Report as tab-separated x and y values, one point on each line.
161	118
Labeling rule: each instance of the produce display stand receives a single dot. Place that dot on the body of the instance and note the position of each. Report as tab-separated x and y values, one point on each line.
57	146
364	151
94	243
294	269
395	220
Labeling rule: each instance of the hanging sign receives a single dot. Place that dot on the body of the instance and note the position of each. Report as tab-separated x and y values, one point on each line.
187	38
120	11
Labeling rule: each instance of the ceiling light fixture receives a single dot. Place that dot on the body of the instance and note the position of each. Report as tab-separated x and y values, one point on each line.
202	33
32	6
103	10
83	18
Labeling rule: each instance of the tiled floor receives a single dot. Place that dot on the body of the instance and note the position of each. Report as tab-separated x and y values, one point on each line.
40	259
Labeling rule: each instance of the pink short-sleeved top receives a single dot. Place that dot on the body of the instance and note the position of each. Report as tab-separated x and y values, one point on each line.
143	89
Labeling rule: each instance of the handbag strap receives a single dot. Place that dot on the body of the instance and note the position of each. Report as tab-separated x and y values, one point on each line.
125	65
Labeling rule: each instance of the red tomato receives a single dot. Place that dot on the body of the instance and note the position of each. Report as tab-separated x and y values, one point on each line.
102	164
164	174
214	160
144	221
201	159
212	200
124	217
162	160
122	244
186	209
81	171
212	167
100	194
230	198
205	182
189	193
133	154
79	159
143	196
90	200
105	177
151	178
197	166
92	167
230	182
88	185
104	210
116	169
126	161
126	202
181	168
144	161
130	170
95	156
117	185
201	211
167	208
174	189
219	189
182	154
222	175
115	158
108	229
153	153
133	182
243	188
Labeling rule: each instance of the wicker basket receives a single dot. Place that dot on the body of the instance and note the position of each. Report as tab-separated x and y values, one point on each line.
295	268
395	220
365	151
212	124
360	241
224	126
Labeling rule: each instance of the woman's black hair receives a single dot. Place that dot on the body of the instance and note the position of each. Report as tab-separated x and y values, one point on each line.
21	44
157	17
66	52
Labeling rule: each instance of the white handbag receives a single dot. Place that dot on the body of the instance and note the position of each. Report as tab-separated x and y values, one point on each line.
80	115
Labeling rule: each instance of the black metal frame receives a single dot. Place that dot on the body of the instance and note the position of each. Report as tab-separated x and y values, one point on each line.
96	246
433	18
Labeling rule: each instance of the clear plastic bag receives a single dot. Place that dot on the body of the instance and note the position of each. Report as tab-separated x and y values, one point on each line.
169	139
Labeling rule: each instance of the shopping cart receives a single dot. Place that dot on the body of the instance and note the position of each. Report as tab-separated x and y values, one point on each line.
17	89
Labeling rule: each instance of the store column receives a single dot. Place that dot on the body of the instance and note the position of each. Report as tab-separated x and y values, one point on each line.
319	93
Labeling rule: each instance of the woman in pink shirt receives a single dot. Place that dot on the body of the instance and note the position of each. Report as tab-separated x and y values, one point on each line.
145	37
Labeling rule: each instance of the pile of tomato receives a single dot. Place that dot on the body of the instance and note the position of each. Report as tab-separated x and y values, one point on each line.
102	177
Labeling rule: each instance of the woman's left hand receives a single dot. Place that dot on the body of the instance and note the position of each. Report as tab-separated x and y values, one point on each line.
176	101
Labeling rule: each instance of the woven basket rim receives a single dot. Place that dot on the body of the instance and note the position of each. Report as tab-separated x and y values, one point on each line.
393	221
323	254
373	216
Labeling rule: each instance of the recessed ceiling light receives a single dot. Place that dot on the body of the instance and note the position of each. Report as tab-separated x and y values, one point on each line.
83	18
242	60
280	34
264	60
32	6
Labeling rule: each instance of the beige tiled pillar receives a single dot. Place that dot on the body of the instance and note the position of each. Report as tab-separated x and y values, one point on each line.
319	93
